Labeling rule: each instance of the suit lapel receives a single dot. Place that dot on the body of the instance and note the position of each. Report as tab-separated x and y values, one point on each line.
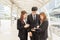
32	18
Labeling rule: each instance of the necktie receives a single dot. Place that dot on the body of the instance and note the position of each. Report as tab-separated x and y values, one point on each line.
34	17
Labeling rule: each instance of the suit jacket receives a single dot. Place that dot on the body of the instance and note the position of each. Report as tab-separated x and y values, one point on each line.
22	31
43	32
33	23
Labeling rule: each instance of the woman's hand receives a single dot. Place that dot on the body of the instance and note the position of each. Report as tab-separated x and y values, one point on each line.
33	29
26	26
30	34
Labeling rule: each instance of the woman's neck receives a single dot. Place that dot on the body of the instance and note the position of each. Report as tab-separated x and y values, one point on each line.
41	20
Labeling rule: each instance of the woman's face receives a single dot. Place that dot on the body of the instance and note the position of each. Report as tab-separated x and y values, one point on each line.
41	17
25	16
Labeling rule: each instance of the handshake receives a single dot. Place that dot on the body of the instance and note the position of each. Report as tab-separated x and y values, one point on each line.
26	26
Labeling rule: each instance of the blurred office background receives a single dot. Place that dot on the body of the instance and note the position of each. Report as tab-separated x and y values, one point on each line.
10	12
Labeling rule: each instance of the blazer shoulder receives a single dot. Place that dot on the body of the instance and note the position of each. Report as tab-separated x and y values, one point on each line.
29	15
46	22
37	14
18	20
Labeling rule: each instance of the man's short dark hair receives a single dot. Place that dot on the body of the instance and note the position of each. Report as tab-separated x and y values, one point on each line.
34	9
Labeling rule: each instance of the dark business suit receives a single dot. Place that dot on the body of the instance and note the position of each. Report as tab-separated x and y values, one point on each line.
42	32
22	31
33	23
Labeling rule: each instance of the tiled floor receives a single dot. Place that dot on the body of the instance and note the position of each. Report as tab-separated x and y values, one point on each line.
8	32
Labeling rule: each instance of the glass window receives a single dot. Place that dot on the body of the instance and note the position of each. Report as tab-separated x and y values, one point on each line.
5	12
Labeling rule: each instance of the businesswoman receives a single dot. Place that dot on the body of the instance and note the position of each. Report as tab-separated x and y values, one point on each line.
22	26
43	34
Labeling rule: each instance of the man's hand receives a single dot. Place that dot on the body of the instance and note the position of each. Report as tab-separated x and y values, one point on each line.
38	27
26	26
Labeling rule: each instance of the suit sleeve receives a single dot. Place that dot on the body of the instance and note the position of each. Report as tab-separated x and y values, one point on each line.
19	25
28	22
38	20
43	27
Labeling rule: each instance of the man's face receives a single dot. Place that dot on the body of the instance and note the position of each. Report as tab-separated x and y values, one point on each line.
33	12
